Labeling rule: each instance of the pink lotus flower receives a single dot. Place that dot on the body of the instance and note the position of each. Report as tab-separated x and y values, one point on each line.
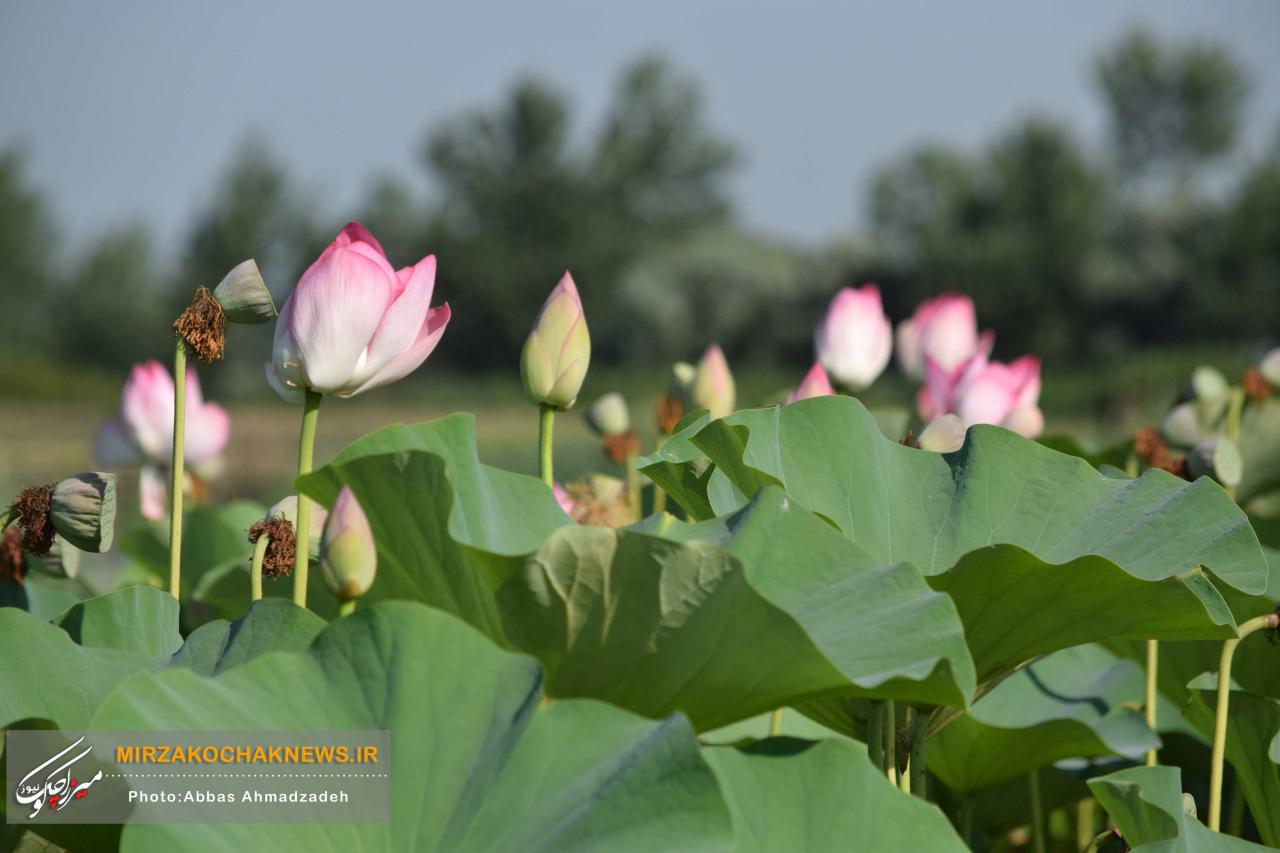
944	329
143	434
855	338
986	392
353	322
814	384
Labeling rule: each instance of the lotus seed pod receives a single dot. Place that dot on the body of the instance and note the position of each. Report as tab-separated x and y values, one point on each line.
1181	425
713	389
1218	458
609	416
944	435
83	510
243	295
348	556
287	508
554	361
1210	390
1269	367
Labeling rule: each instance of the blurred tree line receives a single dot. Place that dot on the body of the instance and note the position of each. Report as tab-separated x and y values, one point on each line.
1160	235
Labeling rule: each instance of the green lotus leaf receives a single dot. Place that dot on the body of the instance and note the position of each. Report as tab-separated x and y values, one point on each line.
1146	804
495	768
270	625
789	794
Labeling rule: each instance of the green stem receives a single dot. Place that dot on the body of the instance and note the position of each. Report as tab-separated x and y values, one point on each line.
1260	623
1131	466
775	723
546	423
175	466
1234	407
306	450
255	568
659	499
891	741
1153	669
964	821
1037	814
875	734
919	734
1235	810
346	608
633	488
1085	818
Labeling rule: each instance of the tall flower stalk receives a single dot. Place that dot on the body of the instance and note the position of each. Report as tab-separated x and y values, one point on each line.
176	475
306	455
546	444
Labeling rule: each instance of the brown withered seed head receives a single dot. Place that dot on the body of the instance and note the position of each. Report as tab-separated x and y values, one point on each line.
281	545
618	447
32	505
592	507
670	411
13	563
1255	385
910	440
1149	446
203	326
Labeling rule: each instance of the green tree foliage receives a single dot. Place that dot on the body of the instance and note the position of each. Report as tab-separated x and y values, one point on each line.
27	258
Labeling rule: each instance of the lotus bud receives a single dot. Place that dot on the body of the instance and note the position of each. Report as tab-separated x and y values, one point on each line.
609	416
243	295
814	384
1269	367
944	435
63	560
83	509
855	339
713	387
287	508
1210	390
1216	457
1181	425
348	556
556	355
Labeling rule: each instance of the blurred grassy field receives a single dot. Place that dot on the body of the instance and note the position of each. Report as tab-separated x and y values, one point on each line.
45	435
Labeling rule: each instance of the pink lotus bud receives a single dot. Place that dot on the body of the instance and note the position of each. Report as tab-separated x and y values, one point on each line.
855	338
986	392
348	556
353	322
943	435
713	388
557	353
144	432
944	329
814	384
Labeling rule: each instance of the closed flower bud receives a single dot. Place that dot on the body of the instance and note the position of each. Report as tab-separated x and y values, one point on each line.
83	510
287	508
814	384
348	557
944	435
855	339
713	388
556	355
1210	391
1218	458
1269	367
243	295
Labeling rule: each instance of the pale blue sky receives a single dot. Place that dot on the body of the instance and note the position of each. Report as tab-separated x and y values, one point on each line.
129	109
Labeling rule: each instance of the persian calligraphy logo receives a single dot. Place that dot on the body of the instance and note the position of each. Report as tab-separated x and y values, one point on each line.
55	788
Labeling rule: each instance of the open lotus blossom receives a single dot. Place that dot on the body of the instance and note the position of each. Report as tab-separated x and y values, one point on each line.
855	339
814	384
982	391
944	329
353	322
143	434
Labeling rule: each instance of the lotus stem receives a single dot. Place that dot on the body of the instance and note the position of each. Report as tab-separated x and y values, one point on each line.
633	487
255	568
1153	662
775	723
1234	408
306	451
546	423
875	734
964	821
176	478
1037	814
659	499
1085	816
919	770
891	741
346	608
1235	810
1260	623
